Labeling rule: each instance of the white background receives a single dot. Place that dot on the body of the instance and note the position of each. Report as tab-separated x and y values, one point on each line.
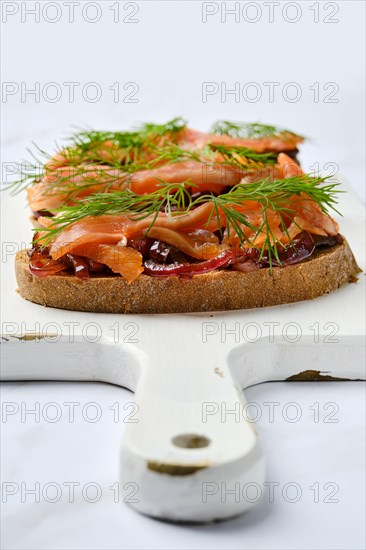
169	53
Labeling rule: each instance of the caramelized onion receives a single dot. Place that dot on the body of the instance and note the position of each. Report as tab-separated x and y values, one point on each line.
43	266
246	266
142	245
94	266
301	248
222	260
157	253
160	251
79	265
38	213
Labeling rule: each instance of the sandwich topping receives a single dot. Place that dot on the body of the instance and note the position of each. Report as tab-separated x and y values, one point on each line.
166	200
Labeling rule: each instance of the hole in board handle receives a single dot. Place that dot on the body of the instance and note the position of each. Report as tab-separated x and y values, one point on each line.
191	441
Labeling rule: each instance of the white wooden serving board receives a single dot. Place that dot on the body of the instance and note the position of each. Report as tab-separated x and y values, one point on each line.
187	371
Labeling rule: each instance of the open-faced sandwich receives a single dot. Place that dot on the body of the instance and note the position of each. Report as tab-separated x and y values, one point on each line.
167	219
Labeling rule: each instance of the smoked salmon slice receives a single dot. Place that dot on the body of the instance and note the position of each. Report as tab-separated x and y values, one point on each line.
287	142
124	260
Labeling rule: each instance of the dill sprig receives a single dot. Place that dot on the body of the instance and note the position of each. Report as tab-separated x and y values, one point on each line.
242	156
170	197
131	143
250	130
273	195
176	200
127	150
111	174
143	148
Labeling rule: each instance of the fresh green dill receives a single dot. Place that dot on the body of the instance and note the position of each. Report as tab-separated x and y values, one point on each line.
239	156
176	200
250	130
124	150
129	143
74	178
146	147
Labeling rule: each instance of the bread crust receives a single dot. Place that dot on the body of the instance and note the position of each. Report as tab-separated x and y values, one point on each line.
325	271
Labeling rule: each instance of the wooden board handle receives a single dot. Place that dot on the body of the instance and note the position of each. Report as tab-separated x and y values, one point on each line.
191	453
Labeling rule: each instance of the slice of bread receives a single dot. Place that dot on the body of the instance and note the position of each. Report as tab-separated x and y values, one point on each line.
325	271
